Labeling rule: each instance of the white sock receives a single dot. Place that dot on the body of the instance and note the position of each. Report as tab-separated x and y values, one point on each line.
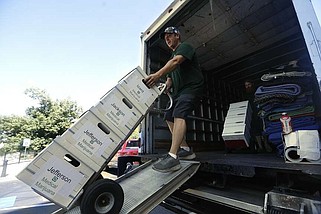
186	148
173	155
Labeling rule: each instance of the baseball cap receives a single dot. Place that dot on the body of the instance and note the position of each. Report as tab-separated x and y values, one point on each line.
169	30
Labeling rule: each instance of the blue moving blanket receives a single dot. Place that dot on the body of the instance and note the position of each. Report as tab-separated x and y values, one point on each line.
288	89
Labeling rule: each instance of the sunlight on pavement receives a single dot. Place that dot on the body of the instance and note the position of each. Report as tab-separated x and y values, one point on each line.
6	202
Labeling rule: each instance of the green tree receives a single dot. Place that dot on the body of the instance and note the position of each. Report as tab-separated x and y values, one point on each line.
50	118
41	124
13	130
135	134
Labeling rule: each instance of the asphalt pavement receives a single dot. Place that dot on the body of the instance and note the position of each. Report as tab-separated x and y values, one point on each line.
17	197
13	169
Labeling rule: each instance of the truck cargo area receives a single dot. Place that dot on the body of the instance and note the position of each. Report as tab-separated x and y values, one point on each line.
237	40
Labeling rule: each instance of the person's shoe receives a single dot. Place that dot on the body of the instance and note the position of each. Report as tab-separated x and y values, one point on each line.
185	155
167	164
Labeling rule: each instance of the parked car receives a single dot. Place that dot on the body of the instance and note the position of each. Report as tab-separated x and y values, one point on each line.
130	147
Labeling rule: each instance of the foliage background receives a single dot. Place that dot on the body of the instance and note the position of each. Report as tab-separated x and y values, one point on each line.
42	123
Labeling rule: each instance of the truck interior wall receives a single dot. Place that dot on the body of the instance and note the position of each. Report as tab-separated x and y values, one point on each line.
225	85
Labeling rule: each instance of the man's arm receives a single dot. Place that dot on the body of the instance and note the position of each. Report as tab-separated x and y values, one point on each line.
168	67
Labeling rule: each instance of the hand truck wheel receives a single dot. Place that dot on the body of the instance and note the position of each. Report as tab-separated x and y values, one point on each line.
102	196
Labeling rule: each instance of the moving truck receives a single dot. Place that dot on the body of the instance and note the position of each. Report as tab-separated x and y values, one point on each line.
276	44
236	40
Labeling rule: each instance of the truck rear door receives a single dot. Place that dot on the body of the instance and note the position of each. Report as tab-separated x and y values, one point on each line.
311	31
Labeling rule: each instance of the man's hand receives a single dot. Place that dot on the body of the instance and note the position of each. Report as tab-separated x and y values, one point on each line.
169	84
152	79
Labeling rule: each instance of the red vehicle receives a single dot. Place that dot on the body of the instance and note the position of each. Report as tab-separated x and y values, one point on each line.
130	147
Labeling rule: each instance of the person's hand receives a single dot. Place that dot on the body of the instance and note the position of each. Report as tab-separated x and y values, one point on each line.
151	80
168	84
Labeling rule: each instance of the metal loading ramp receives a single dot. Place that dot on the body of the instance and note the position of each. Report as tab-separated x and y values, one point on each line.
145	188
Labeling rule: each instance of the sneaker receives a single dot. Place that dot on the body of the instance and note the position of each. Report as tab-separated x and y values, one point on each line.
167	164
185	155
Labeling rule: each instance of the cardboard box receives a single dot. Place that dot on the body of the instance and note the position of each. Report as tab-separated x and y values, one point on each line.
115	108
133	87
235	144
237	124
237	132
56	175
239	109
92	138
237	120
239	105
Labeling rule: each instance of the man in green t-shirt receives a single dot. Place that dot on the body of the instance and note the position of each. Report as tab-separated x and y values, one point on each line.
185	78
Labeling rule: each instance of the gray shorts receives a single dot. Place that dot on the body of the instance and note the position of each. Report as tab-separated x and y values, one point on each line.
182	107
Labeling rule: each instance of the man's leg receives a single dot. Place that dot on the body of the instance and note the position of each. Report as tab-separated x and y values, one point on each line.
178	129
170	162
184	152
171	126
179	145
178	134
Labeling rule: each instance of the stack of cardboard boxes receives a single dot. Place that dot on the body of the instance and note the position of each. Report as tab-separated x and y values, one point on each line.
60	171
237	125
